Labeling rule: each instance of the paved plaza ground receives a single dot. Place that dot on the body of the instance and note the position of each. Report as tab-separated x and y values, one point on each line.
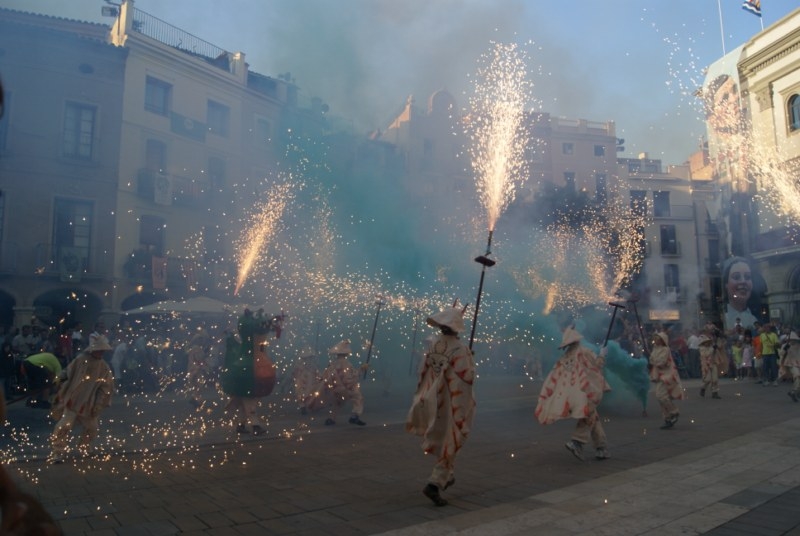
729	467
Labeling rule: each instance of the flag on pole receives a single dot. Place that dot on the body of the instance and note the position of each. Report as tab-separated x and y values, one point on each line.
753	6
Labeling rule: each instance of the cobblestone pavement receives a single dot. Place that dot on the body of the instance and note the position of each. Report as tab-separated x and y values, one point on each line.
728	467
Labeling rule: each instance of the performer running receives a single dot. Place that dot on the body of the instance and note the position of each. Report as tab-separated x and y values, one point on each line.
573	390
667	381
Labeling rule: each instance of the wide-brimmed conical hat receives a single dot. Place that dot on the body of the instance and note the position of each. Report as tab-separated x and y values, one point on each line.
343	348
570	336
452	317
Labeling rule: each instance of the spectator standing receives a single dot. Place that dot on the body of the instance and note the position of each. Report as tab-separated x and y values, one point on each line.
769	353
42	370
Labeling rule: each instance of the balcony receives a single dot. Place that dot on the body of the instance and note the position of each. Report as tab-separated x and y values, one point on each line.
165	189
69	263
671	248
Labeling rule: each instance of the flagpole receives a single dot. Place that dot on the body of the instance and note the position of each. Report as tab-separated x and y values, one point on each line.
721	28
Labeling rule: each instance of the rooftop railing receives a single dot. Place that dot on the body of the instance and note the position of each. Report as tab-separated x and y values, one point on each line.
164	32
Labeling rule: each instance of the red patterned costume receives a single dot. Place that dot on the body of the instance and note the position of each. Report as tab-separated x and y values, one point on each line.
573	390
443	406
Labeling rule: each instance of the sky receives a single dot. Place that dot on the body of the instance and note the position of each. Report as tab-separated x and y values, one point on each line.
634	62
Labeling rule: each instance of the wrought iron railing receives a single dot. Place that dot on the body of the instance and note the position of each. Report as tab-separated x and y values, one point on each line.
164	32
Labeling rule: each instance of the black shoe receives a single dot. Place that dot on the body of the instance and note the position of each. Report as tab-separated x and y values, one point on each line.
668	423
329	422
674	418
702	391
242	429
432	492
450	483
715	395
355	419
257	430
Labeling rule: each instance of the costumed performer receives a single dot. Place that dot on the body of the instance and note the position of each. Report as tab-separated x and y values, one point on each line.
86	389
573	390
664	374
443	406
249	373
340	384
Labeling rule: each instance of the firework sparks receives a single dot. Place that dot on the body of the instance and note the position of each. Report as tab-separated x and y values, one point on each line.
261	229
496	128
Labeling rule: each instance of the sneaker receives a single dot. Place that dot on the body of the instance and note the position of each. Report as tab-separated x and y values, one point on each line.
601	454
257	430
355	419
575	447
793	396
702	391
242	429
329	422
432	492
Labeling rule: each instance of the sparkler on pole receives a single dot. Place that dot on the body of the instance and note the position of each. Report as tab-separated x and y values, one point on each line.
486	262
379	303
499	140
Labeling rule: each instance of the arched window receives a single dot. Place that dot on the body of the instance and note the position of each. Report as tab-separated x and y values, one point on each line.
794	112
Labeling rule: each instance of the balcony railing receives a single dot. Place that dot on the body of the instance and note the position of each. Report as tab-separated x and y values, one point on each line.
671	249
166	189
163	32
69	262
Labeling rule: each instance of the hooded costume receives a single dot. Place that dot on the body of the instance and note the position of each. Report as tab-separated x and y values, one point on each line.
339	383
712	362
573	390
84	393
664	374
791	362
443	406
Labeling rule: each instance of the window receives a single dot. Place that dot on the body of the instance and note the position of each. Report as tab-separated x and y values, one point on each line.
151	233
78	136
639	202
72	229
634	166
157	95
601	187
794	112
567	148
156	156
219	117
599	150
216	172
263	131
671	277
661	204
4	120
669	241
569	180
